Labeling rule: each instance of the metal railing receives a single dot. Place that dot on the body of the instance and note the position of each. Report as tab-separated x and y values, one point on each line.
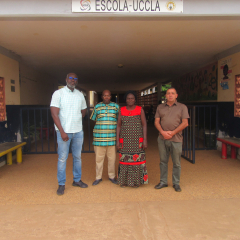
188	151
37	129
202	131
206	127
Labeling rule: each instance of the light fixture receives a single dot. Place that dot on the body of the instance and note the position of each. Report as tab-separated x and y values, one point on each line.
120	65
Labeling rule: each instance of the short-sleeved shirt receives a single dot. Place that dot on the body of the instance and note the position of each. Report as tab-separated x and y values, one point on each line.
70	104
171	117
104	132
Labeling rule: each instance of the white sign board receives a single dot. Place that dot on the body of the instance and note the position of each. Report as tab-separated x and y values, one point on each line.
131	6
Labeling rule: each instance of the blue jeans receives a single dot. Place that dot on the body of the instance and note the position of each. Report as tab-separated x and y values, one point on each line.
63	150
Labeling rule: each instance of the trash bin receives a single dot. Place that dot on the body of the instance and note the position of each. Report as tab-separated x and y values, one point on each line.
210	139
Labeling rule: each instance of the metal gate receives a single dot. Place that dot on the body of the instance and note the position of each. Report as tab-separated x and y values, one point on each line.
201	133
37	129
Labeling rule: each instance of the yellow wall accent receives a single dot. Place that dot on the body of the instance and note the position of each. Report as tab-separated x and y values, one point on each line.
36	88
228	95
9	69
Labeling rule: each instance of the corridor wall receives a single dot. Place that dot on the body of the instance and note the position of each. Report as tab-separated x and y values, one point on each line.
9	70
36	87
233	62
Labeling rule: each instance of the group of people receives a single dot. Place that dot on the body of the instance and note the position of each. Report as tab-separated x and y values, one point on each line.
124	129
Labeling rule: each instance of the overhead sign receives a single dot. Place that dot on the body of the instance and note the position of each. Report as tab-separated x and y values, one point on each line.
131	6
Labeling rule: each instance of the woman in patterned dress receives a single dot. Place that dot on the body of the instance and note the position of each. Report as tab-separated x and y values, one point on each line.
132	142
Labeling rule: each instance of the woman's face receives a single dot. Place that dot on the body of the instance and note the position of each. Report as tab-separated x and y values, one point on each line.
130	100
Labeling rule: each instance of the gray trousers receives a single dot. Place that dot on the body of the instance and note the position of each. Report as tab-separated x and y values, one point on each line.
175	148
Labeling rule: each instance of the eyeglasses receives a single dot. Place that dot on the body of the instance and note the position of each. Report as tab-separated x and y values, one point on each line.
73	78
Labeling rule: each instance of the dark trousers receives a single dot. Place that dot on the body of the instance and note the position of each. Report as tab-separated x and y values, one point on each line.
166	147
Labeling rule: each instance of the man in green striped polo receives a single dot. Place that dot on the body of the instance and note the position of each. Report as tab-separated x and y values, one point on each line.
105	114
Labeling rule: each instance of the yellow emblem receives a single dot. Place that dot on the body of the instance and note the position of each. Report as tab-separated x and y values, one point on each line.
171	5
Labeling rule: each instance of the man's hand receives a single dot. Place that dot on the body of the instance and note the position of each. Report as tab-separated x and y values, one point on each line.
117	145
64	136
167	134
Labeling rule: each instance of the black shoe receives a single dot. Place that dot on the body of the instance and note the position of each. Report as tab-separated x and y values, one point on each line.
79	184
96	182
113	180
161	185
60	190
177	188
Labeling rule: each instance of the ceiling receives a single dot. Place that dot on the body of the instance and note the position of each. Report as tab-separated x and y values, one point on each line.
150	50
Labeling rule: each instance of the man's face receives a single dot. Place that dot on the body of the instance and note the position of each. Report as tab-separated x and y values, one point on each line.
106	97
171	95
72	80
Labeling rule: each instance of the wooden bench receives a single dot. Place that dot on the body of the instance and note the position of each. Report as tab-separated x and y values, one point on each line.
234	142
8	147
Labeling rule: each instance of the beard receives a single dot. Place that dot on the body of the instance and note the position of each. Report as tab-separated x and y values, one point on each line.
71	86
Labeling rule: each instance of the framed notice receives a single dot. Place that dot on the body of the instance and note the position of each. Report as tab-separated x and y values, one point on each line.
237	96
2	100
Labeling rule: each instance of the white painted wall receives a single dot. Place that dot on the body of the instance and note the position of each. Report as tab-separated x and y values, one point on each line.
228	95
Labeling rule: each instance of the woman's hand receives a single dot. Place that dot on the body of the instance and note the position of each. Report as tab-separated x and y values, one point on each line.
144	143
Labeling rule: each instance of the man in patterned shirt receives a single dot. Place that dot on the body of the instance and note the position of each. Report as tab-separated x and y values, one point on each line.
68	107
105	114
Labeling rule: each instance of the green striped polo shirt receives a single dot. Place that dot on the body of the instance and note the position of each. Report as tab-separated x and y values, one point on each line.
104	132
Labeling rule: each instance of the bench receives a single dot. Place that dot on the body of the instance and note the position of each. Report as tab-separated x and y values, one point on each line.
8	147
234	142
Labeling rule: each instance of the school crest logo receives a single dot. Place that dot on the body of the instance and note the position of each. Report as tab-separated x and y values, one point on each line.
171	5
85	5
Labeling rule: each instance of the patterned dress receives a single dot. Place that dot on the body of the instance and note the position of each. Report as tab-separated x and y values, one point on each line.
132	164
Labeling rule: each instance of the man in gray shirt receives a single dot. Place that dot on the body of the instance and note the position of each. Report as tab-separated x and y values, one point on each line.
170	119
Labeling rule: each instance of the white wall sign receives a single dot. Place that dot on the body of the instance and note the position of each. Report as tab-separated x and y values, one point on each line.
120	6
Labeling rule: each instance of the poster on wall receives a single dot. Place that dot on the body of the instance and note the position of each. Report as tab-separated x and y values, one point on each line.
226	73
2	101
198	85
237	96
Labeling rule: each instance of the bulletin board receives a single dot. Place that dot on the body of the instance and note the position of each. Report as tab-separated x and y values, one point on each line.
2	100
237	96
